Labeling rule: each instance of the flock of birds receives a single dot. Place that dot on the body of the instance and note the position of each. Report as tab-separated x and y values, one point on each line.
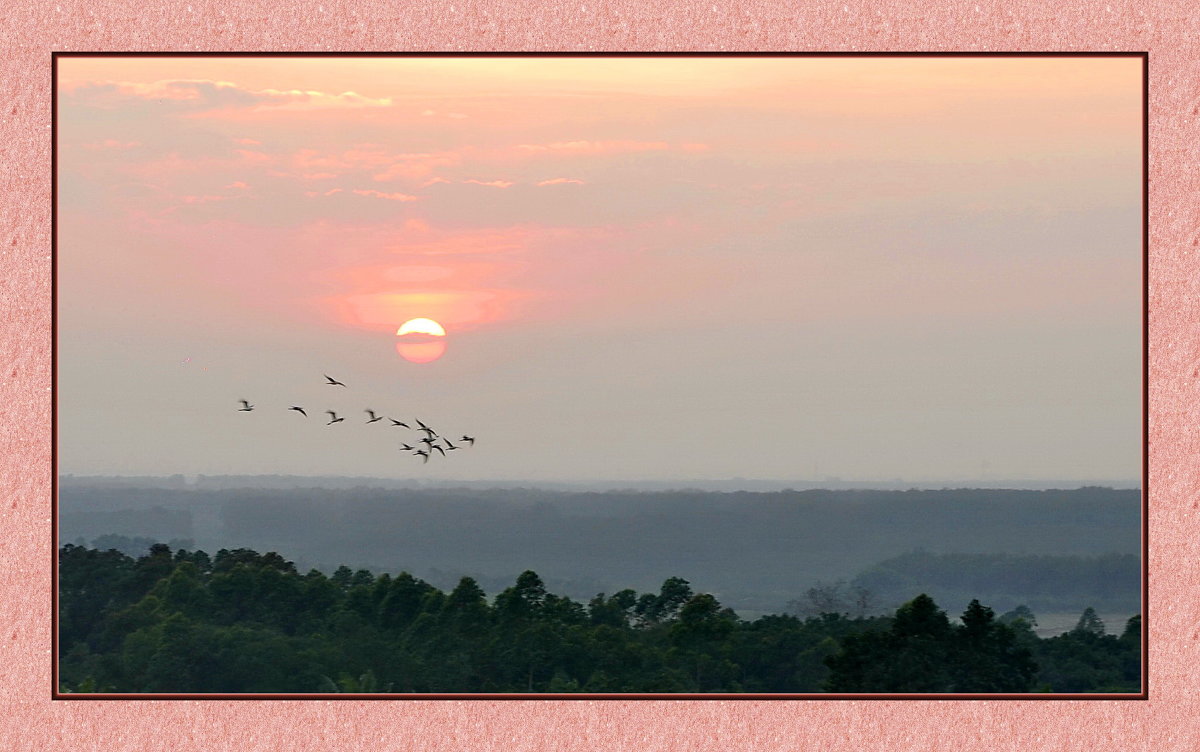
431	436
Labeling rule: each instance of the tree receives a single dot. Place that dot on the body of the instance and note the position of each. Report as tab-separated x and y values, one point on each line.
988	657
524	600
864	600
466	607
672	596
910	657
614	611
823	598
675	592
1133	631
1089	622
1020	613
402	602
342	577
701	634
526	643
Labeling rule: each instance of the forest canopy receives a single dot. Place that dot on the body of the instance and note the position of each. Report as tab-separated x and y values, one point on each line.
179	620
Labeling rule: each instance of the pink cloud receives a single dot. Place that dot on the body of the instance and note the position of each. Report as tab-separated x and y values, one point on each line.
451	115
561	181
389	196
384	166
237	184
416	166
254	157
594	147
295	99
113	144
208	96
492	183
364	192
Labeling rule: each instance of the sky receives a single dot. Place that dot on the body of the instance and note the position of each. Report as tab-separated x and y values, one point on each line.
646	268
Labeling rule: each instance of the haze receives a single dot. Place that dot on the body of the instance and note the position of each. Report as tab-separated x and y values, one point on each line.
648	268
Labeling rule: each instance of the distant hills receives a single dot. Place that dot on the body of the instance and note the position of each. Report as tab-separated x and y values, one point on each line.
756	551
225	482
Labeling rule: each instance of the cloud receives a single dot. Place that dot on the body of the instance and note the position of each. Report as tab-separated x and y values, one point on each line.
206	96
112	144
451	115
595	147
389	196
560	181
204	199
491	183
415	166
253	157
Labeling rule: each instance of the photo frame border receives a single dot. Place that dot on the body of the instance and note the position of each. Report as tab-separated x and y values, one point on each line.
1159	29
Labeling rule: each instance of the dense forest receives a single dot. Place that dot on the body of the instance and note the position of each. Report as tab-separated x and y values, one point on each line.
755	551
183	621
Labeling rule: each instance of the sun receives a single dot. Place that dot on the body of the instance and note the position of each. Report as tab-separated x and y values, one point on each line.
421	340
421	326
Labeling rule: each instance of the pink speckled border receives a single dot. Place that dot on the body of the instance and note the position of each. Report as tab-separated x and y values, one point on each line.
32	29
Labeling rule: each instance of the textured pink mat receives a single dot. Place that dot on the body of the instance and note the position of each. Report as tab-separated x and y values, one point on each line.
32	30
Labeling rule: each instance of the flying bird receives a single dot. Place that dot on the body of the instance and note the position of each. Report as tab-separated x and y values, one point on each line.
435	446
333	418
373	418
423	426
406	448
398	423
246	407
299	410
427	440
448	444
332	381
469	439
428	431
423	453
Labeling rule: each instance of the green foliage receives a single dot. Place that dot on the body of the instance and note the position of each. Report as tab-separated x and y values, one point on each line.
241	621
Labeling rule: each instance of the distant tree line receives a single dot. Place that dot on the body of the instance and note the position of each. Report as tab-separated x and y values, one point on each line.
759	550
1110	582
240	621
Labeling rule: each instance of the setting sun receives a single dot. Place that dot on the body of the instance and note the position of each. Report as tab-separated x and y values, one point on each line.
421	326
421	340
